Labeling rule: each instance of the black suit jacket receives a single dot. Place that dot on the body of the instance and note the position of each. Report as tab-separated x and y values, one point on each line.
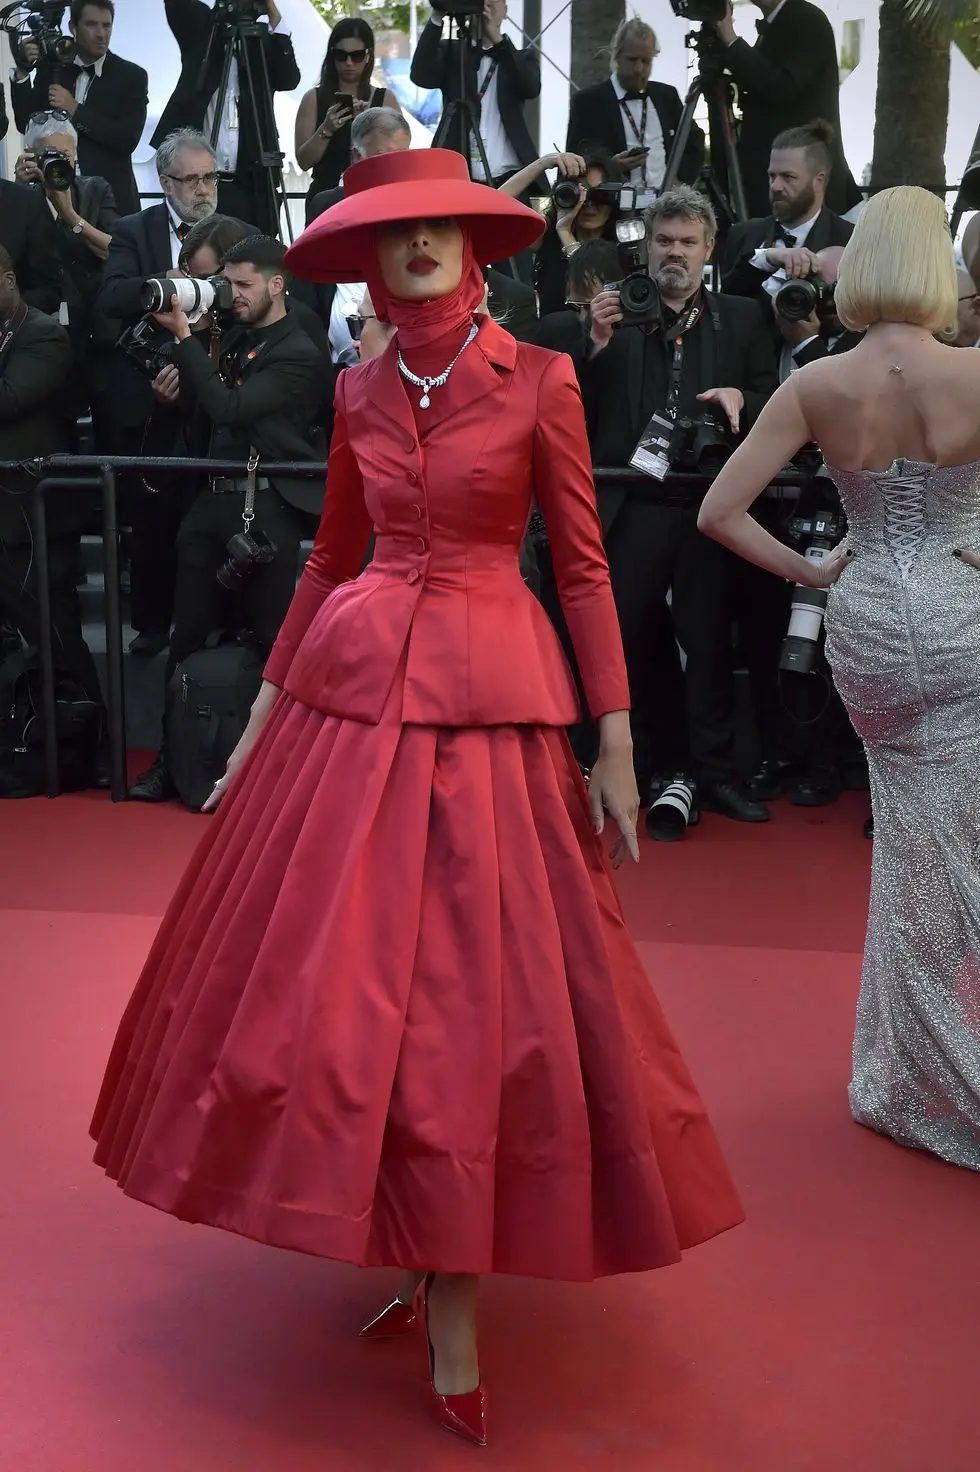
274	407
27	232
740	278
513	305
191	22
317	203
596	119
612	383
436	64
788	78
109	122
33	372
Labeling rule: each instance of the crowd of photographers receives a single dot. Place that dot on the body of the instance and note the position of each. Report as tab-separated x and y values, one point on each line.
174	330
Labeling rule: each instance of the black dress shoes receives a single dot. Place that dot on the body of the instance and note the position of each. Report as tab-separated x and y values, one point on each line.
732	802
150	644
769	782
154	785
817	788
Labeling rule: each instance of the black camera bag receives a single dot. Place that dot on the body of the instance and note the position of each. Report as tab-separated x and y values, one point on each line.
22	726
208	704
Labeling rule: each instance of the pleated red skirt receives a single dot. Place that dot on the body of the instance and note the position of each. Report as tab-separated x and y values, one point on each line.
393	1016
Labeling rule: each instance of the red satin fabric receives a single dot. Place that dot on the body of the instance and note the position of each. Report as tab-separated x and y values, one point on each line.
393	1014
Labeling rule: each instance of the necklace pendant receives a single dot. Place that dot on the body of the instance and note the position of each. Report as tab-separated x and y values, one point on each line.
424	400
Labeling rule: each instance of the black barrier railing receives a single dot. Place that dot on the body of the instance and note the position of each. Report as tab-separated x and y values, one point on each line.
60	472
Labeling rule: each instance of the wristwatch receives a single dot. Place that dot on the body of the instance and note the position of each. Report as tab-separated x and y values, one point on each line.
77	229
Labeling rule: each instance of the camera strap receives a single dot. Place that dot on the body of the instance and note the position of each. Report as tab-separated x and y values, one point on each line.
653	452
248	513
676	335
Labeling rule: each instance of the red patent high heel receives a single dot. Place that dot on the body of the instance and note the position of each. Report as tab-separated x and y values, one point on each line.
394	1322
466	1414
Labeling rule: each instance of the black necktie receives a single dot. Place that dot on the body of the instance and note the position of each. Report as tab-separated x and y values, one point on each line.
88	70
182	231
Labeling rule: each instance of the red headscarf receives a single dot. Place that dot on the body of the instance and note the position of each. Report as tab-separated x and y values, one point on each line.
422	323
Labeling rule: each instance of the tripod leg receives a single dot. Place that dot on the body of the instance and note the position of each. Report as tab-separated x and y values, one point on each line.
683	133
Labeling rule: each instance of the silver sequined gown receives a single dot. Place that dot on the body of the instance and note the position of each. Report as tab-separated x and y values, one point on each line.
903	640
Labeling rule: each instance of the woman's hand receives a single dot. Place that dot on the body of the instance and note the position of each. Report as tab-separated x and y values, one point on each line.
825	573
264	701
612	789
569	165
336	117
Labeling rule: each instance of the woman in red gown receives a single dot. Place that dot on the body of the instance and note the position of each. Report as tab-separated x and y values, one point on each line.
393	1015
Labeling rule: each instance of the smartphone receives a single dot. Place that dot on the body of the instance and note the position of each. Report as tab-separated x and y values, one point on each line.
345	101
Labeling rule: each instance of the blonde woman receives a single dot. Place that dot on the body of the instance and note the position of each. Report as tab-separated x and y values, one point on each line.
897	422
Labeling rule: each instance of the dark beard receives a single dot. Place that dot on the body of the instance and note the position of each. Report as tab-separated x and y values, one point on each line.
795	211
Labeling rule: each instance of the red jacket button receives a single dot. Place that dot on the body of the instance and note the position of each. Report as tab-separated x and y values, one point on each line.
416	512
413	479
414	575
421	545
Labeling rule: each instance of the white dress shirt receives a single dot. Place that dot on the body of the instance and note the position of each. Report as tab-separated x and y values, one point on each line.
176	244
226	143
499	150
648	178
346	303
83	80
777	276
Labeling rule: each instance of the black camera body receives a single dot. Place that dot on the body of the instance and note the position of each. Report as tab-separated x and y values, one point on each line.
247	552
702	442
149	346
57	169
815	533
566	193
700	12
460	9
237	12
43	26
800	299
639	295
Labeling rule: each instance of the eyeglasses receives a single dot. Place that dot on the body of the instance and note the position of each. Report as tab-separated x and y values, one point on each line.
355	56
50	115
355	324
193	180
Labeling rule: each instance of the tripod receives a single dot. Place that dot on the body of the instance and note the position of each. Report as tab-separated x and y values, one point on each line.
720	178
461	111
253	84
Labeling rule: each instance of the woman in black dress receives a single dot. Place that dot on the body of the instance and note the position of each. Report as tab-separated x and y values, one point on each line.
592	218
322	123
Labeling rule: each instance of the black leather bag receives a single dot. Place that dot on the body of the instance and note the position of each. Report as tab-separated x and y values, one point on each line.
209	700
77	722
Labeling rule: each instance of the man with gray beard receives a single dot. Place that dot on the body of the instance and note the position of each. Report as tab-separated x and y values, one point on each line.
707	354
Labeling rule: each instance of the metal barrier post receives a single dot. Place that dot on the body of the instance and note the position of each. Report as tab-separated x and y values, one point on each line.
113	637
42	574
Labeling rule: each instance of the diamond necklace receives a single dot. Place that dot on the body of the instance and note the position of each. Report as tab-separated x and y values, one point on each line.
428	384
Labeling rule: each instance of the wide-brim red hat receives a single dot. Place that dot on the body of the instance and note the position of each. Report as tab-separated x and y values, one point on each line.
422	183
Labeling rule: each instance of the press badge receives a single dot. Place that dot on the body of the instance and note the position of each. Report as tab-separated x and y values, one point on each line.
652	454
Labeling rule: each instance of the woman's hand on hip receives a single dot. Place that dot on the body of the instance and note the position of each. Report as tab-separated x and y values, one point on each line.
612	789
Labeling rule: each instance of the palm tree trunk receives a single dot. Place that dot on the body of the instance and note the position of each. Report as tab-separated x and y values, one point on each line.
912	103
593	25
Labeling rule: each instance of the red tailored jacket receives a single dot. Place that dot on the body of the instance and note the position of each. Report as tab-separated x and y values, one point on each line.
443	600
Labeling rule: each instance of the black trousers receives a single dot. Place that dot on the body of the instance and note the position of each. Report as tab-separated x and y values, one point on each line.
201	605
19	603
654	550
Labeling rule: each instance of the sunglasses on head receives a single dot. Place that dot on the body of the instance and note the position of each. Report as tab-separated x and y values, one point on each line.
50	115
355	56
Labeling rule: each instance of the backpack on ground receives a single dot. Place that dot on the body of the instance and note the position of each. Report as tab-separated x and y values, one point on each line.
77	722
209	701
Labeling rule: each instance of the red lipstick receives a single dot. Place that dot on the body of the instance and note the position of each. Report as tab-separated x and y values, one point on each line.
422	266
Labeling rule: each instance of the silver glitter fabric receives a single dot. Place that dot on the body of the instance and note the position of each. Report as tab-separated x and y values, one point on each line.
903	640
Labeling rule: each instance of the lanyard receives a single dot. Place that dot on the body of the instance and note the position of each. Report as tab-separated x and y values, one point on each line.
679	329
639	133
491	70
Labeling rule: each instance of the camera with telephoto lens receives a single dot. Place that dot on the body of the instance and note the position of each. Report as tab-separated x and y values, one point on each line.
57	169
237	12
800	299
247	552
42	25
702	443
149	346
566	193
195	295
673	808
700	12
819	531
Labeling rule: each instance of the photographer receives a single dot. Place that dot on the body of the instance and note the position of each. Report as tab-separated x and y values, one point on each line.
85	215
35	363
787	78
28	236
261	399
204	34
499	80
104	97
584	206
704	366
633	118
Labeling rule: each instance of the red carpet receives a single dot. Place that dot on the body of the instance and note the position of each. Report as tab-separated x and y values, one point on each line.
835	1332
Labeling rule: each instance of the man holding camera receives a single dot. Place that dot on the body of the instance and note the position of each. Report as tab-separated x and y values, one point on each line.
499	79
246	125
787	78
633	118
28	236
85	214
260	400
103	96
695	367
763	255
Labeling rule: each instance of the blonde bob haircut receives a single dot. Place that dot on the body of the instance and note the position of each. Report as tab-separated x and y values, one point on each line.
899	266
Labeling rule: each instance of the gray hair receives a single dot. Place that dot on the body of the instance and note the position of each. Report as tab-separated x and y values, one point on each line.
633	29
681	203
47	126
166	155
383	120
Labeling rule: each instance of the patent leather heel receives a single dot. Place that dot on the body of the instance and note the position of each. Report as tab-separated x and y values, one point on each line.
466	1415
396	1321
